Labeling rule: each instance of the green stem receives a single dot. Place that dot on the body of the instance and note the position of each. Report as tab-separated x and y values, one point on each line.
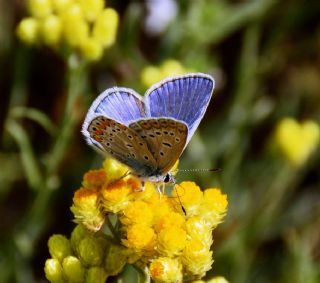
28	157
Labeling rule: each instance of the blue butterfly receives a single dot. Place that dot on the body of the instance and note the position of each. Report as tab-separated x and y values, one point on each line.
148	134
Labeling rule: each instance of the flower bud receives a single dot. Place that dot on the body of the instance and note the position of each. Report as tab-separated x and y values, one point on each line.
73	269
91	252
96	275
28	30
53	271
59	247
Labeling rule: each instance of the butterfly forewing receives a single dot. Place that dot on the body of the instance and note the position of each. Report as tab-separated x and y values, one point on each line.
165	138
183	98
124	144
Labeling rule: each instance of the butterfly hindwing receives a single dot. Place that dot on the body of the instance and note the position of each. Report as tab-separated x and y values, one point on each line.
123	143
183	98
165	138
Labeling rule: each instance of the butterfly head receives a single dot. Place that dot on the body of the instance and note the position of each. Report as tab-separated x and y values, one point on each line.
168	178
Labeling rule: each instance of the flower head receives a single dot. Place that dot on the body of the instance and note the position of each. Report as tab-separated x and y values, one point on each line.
83	26
147	229
296	140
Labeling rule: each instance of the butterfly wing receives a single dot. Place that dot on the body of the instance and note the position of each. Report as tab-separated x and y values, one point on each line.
166	139
120	104
123	143
184	98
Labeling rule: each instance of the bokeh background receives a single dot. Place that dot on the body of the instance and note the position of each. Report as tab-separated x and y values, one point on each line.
261	128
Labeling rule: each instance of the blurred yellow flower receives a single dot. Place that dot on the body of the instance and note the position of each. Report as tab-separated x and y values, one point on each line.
296	140
84	26
28	30
152	74
40	8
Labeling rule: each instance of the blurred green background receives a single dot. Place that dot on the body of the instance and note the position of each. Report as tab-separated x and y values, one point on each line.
264	56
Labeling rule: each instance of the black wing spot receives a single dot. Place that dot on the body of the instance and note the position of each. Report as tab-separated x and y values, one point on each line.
165	132
161	153
140	143
171	133
133	155
111	139
177	139
167	144
130	137
146	157
108	144
113	130
111	134
143	136
94	128
158	133
118	129
129	145
151	136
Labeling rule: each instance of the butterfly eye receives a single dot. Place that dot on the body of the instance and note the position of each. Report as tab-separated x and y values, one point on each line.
166	178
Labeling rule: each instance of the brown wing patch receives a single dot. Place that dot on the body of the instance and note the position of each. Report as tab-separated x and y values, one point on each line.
165	138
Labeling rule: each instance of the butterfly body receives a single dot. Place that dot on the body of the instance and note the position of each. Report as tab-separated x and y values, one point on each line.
149	134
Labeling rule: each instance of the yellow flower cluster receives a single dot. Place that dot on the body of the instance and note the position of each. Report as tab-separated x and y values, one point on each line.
152	74
85	26
297	140
171	236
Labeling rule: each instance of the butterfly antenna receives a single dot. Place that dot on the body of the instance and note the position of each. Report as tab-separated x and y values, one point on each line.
199	170
183	209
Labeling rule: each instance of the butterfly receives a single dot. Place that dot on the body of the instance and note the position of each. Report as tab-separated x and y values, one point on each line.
149	133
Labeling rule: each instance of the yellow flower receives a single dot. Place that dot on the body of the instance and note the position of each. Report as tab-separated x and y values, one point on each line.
115	170
28	30
75	28
91	8
196	257
165	269
59	6
105	27
137	212
51	30
94	179
91	49
152	74
86	209
171	240
170	219
297	140
40	8
140	237
190	196
115	196
198	228
214	206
